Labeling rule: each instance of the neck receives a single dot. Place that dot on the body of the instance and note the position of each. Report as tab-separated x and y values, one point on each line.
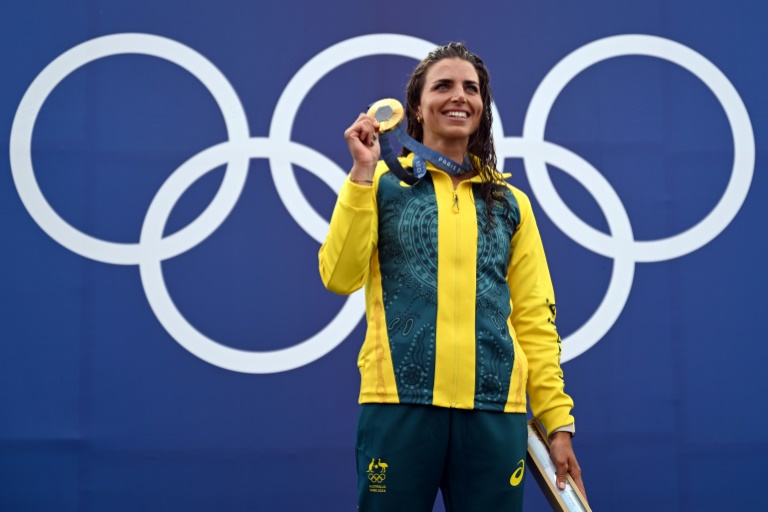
455	149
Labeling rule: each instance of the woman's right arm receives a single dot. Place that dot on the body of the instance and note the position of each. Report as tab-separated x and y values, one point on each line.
346	253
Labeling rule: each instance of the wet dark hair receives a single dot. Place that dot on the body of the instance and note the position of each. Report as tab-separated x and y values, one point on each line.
493	187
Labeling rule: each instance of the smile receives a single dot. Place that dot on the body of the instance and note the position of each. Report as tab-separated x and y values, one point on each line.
456	114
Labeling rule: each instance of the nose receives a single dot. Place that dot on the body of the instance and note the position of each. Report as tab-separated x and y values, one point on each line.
458	95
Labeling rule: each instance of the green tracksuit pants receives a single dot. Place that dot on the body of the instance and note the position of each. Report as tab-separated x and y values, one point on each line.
405	453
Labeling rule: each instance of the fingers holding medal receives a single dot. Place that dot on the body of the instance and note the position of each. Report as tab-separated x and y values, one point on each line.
362	139
363	136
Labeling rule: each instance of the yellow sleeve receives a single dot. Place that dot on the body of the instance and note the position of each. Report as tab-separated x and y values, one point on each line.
345	255
533	318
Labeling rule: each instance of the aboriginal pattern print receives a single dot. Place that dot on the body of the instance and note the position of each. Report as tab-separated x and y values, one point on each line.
408	255
495	358
494	350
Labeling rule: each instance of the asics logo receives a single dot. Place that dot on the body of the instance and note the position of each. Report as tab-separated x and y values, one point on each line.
517	476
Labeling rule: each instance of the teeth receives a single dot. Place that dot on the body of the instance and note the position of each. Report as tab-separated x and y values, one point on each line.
462	115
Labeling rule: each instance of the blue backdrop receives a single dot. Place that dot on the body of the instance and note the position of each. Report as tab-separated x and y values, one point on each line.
166	342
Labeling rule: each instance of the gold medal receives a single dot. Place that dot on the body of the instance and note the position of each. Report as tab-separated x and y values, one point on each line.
388	112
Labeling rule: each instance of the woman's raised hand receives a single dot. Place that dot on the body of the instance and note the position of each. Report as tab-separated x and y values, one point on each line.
363	141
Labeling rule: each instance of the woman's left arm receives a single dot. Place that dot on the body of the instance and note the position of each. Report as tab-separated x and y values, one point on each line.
533	318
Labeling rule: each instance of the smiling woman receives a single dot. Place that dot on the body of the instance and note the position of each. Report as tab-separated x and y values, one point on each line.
459	302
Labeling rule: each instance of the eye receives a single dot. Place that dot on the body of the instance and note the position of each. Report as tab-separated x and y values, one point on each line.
441	86
473	88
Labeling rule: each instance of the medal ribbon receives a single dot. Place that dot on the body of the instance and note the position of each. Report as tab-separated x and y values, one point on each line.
389	113
422	154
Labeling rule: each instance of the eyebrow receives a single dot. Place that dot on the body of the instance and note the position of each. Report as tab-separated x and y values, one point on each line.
450	81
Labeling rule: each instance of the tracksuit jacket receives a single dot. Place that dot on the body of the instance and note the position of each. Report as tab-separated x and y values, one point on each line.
458	315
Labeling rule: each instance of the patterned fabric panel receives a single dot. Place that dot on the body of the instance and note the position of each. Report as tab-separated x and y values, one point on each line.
495	354
408	257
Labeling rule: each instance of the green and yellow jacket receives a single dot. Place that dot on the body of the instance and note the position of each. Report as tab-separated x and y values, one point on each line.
459	314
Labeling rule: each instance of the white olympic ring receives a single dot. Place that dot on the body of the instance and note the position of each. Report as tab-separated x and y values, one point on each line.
295	92
622	246
153	248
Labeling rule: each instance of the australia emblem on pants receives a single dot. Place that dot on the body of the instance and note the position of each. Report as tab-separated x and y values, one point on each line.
377	473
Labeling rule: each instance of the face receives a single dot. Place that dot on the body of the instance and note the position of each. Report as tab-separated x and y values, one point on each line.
451	105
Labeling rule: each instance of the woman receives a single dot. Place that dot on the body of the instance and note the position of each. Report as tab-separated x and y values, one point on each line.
459	305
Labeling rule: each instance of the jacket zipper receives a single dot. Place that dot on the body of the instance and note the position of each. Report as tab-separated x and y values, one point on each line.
455	209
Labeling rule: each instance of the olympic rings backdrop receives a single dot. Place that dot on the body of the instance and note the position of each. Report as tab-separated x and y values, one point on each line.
166	342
